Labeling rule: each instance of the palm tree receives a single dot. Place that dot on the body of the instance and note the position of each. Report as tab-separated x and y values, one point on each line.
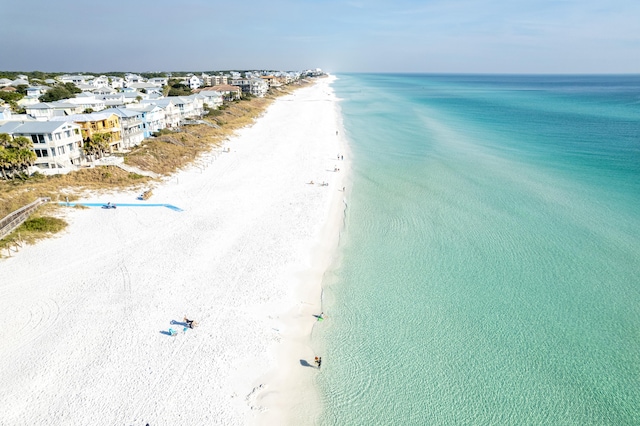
16	155
97	144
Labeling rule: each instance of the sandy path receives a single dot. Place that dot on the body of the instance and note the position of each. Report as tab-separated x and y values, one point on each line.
83	314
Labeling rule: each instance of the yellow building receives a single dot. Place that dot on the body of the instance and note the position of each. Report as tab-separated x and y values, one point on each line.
101	123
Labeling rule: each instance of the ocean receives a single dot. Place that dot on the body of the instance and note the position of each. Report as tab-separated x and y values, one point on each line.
488	271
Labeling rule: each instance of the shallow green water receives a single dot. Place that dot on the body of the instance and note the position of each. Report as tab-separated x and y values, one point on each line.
489	270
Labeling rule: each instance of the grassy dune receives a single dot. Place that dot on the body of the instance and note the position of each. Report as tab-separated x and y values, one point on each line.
163	155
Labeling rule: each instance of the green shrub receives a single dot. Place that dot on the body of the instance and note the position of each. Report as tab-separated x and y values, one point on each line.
44	224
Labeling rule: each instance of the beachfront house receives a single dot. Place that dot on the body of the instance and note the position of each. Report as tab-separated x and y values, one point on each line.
153	118
57	144
132	126
212	98
98	122
172	115
228	91
258	87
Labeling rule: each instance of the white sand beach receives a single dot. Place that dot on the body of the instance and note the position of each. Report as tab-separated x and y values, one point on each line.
85	315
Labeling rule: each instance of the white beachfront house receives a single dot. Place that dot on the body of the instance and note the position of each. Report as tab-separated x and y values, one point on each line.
172	116
212	98
258	87
153	118
57	144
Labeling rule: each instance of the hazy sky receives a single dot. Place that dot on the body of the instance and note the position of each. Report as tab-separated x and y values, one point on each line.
503	36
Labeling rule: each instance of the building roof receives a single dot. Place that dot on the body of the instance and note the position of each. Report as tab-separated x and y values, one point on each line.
83	118
52	105
145	107
225	88
122	112
31	127
144	86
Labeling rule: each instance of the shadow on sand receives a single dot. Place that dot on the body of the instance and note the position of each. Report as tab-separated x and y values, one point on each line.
304	363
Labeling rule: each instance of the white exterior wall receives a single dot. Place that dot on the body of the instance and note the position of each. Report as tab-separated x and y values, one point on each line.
60	149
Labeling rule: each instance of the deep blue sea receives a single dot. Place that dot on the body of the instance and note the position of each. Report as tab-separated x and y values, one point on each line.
489	268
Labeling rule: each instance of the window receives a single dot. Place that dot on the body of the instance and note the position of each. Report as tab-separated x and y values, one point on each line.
67	133
37	138
61	150
57	136
53	152
71	147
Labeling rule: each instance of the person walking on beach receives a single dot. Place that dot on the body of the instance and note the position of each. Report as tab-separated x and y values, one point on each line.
318	361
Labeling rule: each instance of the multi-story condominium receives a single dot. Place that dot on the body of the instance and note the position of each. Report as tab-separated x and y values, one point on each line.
57	144
206	80
217	80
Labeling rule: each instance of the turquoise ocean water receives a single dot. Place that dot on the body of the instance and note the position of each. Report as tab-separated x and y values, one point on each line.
489	269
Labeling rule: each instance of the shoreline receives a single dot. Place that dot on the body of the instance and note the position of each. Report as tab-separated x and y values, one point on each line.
86	313
292	396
